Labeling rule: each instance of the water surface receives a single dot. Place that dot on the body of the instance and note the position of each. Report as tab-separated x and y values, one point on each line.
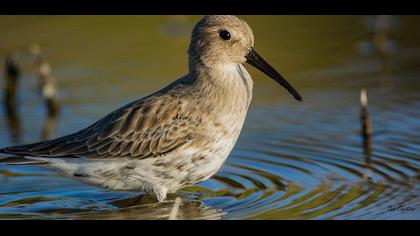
292	161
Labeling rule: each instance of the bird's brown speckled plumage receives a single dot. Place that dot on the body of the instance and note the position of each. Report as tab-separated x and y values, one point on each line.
177	136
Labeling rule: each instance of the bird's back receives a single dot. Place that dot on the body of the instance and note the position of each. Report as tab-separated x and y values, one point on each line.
151	126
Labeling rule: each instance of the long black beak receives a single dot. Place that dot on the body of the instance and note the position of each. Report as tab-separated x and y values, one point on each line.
258	62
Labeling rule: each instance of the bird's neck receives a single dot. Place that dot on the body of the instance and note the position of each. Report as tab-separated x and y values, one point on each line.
230	83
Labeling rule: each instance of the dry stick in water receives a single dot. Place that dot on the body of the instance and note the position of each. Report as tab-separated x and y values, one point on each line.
366	129
174	212
12	73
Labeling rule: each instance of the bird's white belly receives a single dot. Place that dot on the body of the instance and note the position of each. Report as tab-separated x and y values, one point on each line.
184	167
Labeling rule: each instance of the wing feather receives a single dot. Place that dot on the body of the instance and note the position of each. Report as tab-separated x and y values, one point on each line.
145	128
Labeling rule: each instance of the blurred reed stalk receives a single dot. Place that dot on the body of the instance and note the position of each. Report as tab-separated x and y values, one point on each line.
174	212
47	82
48	88
380	38
381	41
366	129
12	73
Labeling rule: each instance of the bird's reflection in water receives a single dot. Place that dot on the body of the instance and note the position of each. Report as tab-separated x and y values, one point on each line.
146	207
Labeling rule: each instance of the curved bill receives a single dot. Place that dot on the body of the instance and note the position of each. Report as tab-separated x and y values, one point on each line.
258	62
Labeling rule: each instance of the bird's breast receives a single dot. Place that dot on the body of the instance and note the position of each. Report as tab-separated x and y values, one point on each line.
229	108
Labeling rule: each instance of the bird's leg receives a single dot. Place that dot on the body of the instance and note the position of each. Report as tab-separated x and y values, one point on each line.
160	193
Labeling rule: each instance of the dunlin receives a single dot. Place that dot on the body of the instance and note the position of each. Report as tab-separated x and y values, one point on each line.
178	136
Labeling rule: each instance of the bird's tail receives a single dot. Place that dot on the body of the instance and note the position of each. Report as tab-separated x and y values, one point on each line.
16	155
19	160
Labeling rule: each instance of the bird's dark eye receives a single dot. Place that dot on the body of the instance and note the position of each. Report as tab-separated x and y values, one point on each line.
225	35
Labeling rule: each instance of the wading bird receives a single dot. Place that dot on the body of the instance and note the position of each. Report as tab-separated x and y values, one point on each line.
178	136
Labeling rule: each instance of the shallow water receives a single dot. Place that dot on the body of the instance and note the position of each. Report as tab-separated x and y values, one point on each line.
292	161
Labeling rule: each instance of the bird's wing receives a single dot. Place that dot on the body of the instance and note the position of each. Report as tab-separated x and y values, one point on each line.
145	128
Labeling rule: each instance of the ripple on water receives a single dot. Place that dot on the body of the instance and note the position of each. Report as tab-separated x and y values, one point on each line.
322	176
310	165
